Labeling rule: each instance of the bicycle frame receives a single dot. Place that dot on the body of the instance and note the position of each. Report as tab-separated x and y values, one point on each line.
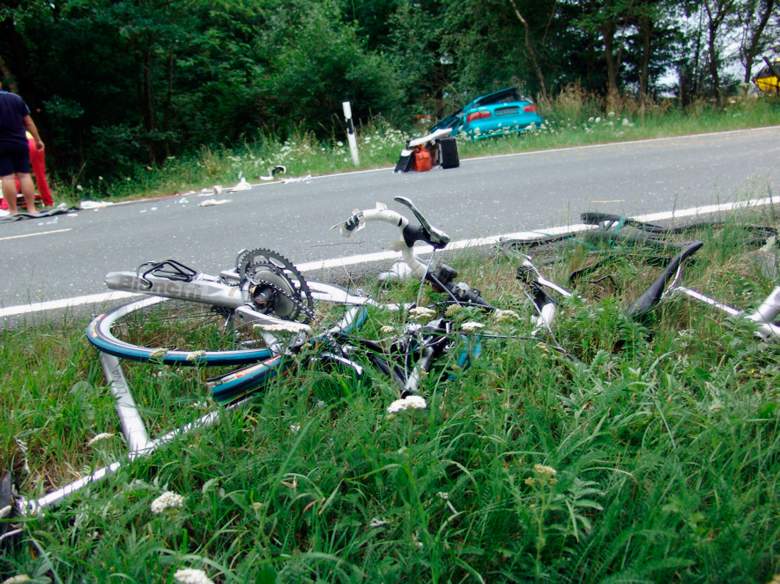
665	286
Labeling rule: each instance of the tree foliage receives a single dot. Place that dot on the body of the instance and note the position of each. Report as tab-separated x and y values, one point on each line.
119	83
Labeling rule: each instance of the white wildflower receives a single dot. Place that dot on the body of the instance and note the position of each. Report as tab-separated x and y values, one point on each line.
471	326
452	310
505	316
377	522
99	437
597	120
192	576
413	402
295	428
544	470
420	312
168	500
321	404
195	356
387	329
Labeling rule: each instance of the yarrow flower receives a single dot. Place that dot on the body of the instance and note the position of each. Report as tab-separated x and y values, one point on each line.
505	316
387	329
471	326
412	402
192	576
168	500
544	470
452	310
543	475
420	312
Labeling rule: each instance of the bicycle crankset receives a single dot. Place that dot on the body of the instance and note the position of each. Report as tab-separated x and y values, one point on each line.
275	285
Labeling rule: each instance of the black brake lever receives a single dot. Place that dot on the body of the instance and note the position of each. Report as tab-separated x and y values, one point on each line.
436	237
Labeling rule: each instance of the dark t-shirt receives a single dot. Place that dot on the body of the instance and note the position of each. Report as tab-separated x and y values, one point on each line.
12	113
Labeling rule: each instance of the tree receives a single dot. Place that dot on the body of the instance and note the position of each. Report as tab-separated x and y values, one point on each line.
529	45
753	17
717	11
608	19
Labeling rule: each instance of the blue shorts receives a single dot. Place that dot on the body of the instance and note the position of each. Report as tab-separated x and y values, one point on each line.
14	158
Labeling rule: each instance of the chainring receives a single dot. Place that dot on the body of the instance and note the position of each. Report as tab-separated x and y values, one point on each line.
275	285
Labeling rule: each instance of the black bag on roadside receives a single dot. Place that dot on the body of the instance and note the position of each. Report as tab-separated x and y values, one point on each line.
404	163
448	152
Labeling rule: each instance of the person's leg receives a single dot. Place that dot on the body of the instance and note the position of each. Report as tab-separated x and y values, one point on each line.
20	159
28	190
9	192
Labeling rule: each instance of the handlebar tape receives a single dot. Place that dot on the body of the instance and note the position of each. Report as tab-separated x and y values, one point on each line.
652	295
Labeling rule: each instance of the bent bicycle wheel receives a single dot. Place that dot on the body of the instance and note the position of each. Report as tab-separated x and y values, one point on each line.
175	332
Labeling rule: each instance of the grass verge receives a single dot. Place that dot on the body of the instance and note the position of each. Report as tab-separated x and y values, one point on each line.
649	453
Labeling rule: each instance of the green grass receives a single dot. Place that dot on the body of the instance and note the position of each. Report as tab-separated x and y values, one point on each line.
572	122
658	445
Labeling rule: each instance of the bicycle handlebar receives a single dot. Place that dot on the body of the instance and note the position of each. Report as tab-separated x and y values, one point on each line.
410	235
425	232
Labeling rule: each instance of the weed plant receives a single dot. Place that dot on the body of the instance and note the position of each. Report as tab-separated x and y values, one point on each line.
642	452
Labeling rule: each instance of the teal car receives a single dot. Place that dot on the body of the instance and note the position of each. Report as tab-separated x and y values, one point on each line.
496	114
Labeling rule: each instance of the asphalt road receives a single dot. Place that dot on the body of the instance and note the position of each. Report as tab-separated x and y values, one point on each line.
483	197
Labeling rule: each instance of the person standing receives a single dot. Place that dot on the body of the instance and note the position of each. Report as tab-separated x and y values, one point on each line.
14	155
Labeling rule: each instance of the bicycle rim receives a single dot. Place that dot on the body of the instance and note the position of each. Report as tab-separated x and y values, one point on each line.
174	332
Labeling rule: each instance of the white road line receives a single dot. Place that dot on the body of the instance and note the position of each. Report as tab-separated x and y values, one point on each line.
35	234
64	303
389	255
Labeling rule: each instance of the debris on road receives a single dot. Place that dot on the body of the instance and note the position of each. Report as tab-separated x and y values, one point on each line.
242	185
278	169
298	179
213	202
85	205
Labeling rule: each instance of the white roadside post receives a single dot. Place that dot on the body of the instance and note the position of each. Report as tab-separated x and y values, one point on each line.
351	133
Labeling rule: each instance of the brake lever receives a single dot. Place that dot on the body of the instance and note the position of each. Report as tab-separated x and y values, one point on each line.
437	237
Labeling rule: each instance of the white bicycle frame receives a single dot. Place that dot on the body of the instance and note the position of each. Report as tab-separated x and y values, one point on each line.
764	316
224	291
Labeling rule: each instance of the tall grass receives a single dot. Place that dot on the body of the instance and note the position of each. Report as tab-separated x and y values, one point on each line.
644	452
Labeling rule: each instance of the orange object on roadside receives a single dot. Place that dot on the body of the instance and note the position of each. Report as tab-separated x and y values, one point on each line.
422	159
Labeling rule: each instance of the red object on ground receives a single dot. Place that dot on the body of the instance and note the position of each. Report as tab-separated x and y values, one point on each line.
422	159
38	163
